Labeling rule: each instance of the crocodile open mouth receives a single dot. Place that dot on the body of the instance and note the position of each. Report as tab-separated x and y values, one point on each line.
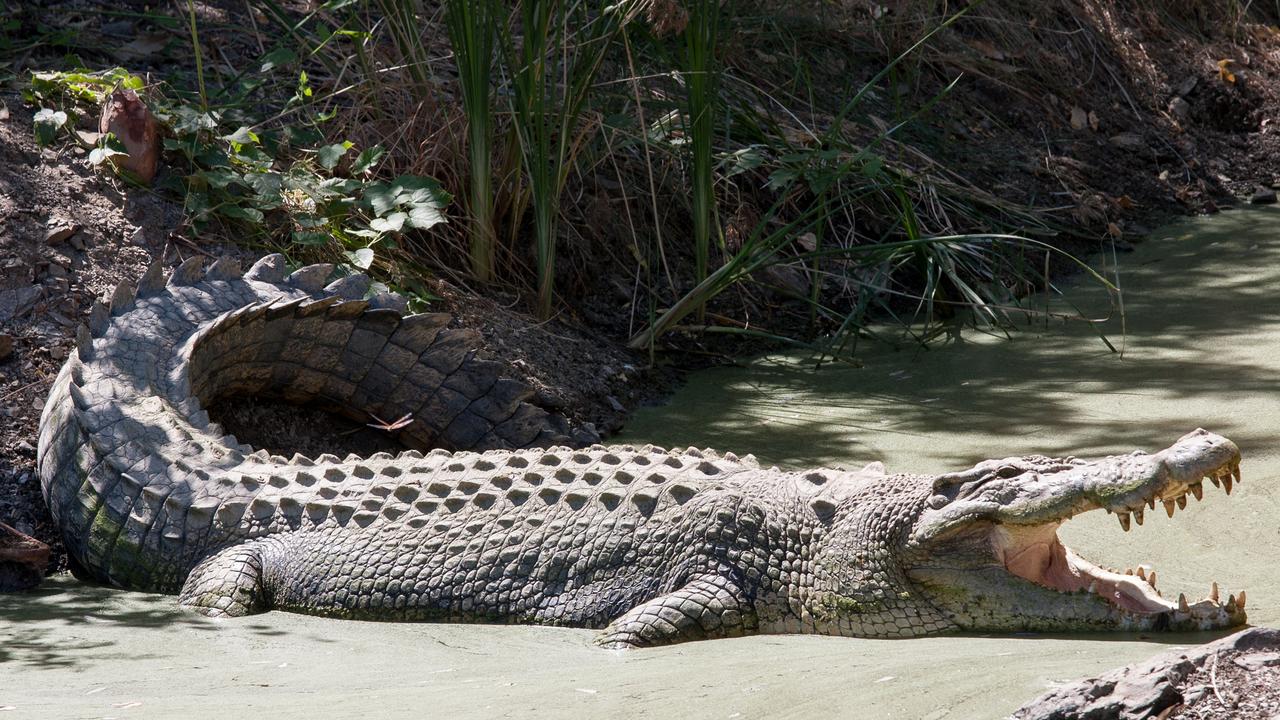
1035	553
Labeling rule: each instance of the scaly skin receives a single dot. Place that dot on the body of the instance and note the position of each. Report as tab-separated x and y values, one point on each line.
655	546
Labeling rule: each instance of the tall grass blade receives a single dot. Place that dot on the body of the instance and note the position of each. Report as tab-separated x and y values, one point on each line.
700	76
473	33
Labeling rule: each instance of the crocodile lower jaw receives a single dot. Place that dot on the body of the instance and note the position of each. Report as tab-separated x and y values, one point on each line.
1035	553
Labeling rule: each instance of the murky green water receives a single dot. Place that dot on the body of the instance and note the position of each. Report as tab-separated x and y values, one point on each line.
1202	348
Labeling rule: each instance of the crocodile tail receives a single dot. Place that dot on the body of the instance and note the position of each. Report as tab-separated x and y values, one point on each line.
129	459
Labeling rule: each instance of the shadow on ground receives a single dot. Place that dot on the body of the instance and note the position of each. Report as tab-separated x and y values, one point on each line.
1199	304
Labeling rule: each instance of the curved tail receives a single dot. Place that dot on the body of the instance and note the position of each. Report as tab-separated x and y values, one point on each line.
141	482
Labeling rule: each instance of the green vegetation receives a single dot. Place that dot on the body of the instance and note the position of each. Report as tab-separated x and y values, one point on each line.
588	140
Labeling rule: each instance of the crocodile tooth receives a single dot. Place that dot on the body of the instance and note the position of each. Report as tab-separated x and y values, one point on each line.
1240	600
1182	502
1137	515
1214	479
1151	503
1128	571
1231	604
1182	603
1213	591
1198	490
1226	482
1151	578
1235	473
1169	505
1141	573
1124	520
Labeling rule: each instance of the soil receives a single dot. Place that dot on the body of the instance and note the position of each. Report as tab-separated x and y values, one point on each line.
1174	136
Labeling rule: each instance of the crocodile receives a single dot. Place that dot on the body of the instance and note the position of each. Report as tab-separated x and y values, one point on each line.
499	511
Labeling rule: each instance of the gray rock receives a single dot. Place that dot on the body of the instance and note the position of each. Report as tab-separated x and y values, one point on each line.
1254	662
1145	690
16	302
1263	196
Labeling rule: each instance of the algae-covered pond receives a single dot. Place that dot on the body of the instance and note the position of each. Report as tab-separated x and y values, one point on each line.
1201	348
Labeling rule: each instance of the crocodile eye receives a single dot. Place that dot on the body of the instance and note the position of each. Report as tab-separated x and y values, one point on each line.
937	502
1008	471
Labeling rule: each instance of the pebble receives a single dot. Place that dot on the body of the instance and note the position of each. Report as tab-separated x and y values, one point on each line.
1128	141
59	230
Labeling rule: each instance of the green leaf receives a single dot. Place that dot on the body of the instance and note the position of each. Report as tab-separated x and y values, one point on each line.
241	213
310	237
47	123
330	155
393	222
277	58
220	177
243	136
97	156
266	185
423	216
361	258
873	166
368	158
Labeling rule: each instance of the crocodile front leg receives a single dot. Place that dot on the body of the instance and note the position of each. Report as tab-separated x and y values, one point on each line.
231	583
707	607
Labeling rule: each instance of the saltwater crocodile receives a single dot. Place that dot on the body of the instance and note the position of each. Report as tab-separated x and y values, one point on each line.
652	545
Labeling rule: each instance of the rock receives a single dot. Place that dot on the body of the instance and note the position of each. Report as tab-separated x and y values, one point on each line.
59	230
1128	141
1254	662
1180	108
1149	689
16	302
58	353
6	346
128	118
1263	196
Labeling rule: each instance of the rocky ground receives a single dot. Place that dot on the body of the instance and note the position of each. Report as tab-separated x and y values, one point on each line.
1236	677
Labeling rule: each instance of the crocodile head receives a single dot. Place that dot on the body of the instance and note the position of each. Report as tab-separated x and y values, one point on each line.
985	549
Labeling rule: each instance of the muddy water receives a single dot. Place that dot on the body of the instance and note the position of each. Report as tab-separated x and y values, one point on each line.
1201	348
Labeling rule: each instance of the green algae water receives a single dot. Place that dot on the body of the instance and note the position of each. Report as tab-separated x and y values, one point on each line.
1201	342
